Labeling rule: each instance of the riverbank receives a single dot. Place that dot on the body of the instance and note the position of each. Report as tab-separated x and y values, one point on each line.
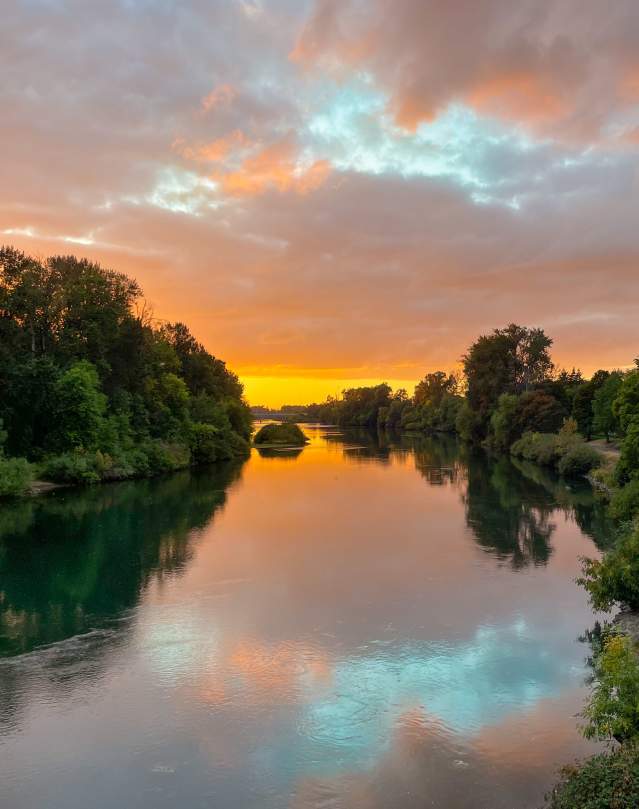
149	460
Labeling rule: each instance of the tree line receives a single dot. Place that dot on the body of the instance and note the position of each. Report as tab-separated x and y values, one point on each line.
94	389
508	386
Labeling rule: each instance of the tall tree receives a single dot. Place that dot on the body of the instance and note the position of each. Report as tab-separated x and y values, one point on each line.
510	360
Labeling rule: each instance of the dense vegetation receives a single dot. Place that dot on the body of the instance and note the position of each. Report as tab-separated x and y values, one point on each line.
607	781
510	397
94	390
285	434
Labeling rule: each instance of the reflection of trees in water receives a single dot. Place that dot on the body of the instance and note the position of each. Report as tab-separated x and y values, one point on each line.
72	561
438	459
285	454
577	500
74	564
360	445
508	513
509	503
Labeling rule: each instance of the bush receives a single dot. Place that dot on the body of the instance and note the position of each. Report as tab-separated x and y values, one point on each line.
579	460
565	450
72	467
615	578
606	781
16	475
285	434
166	457
613	709
624	504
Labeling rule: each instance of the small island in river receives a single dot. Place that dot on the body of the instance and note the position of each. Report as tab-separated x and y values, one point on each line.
286	434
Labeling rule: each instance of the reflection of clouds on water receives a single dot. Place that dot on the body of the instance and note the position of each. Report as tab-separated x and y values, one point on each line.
465	687
369	625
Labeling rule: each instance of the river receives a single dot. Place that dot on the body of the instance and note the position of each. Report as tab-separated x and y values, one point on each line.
363	624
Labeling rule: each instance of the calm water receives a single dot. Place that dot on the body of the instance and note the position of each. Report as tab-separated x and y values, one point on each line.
361	625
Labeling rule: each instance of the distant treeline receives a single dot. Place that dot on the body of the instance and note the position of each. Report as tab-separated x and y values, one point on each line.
508	386
92	389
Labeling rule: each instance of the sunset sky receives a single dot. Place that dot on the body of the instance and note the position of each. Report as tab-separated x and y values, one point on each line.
335	192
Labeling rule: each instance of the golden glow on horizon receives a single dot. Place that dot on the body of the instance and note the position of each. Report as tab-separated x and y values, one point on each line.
275	391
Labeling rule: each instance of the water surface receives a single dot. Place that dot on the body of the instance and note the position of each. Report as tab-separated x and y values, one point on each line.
364	623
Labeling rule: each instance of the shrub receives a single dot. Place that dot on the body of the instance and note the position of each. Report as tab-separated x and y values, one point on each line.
285	434
624	504
613	709
579	460
565	450
615	578
16	475
543	448
72	467
606	781
166	457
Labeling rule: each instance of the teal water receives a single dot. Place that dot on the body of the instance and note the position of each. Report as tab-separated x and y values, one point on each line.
365	623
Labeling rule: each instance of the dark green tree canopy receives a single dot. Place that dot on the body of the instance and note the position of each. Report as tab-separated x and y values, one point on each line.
78	345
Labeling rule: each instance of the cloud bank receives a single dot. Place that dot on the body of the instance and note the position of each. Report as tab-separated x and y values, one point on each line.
336	190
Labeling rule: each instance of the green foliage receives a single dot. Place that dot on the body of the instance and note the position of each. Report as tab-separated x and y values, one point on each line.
95	392
392	417
434	387
626	404
73	467
624	504
286	434
582	403
503	421
614	579
209	444
439	416
605	781
565	451
613	709
510	360
628	466
469	424
360	407
578	460
79	408
16	475
604	416
539	411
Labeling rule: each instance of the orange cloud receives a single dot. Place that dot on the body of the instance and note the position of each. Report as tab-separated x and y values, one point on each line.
214	151
221	95
274	167
520	96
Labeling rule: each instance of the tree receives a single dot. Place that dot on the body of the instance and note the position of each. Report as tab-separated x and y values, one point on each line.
504	422
511	360
582	410
539	412
82	367
433	387
604	419
626	405
360	407
79	409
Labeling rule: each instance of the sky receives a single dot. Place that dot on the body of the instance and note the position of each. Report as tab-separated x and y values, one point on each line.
336	192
